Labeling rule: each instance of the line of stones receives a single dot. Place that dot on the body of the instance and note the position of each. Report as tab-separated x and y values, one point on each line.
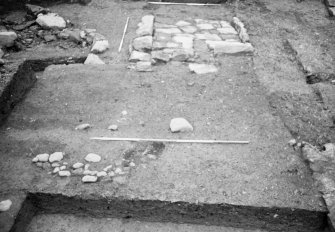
176	42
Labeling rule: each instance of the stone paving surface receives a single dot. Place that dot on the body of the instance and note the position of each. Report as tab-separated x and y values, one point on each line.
197	41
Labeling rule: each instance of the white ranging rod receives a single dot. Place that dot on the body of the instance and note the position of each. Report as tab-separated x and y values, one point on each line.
170	140
187	4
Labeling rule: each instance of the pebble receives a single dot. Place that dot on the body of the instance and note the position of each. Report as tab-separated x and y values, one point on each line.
62	168
51	21
118	170
39	164
107	168
180	125
101	174
56	170
124	113
202	68
77	165
132	164
143	43
5	205
113	127
86	166
146	26
35	160
78	171
292	142
7	38
89	179
139	56
55	165
74	36
49	38
89	172
64	173
94	158
56	157
93	59
83	126
150	156
100	46
120	180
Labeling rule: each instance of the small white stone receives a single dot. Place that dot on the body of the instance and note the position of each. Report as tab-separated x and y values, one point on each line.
89	179
83	126
86	166
62	168
100	46
118	170
56	157
101	174
107	168
292	142
51	20
56	170
43	157
65	163
35	160
113	127
93	59
64	173
124	113
55	165
89	172
202	68
78	165
5	205
94	158
180	125
132	164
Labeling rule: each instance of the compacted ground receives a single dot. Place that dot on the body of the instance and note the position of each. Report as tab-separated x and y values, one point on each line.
262	98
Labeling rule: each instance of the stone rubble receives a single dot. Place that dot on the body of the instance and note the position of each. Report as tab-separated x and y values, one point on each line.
100	46
94	158
180	125
51	21
83	126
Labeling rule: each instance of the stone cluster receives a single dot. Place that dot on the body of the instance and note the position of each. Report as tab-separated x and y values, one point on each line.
322	164
196	42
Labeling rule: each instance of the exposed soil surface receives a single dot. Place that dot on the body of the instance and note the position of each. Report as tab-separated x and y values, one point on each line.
263	98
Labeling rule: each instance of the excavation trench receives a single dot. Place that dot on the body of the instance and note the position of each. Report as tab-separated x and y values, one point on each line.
247	217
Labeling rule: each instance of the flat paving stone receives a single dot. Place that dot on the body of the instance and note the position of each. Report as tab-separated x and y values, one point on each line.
168	30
